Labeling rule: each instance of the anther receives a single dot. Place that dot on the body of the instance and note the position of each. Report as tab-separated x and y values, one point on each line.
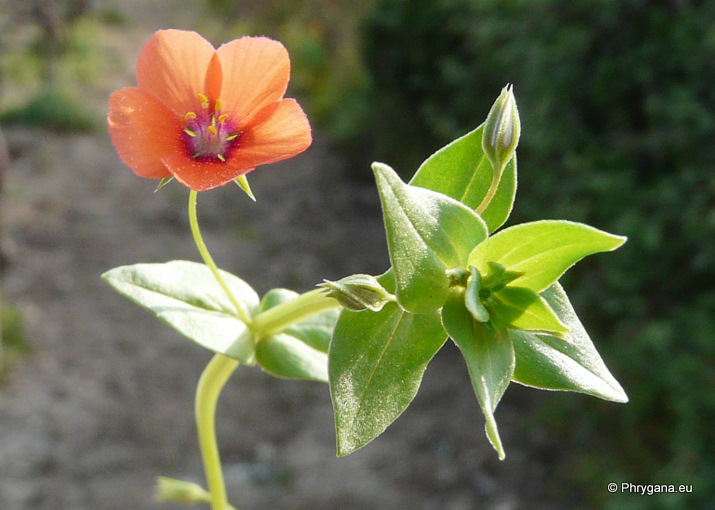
204	100
212	129
189	116
190	133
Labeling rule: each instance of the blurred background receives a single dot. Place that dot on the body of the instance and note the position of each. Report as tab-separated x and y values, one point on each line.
618	131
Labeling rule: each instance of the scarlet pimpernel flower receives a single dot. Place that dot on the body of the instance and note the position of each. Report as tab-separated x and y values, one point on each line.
207	116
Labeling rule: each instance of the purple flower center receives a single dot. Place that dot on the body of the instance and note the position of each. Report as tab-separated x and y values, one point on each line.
209	135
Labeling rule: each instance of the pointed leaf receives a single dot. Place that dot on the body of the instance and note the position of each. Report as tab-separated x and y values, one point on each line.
462	171
186	296
427	233
571	363
376	364
542	250
522	308
490	359
286	356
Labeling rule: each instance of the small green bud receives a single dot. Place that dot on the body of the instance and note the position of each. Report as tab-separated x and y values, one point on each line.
472	298
358	292
169	489
499	277
501	130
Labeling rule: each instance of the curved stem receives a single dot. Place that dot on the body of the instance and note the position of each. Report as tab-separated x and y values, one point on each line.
496	177
209	261
305	306
212	381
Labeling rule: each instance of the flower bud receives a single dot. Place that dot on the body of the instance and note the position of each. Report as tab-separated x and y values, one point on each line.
501	130
358	292
169	489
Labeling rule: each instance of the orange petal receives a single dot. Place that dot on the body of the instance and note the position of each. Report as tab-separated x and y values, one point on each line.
255	74
279	132
201	175
172	66
143	131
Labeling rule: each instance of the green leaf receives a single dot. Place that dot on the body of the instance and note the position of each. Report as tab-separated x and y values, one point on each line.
427	233
489	355
522	308
314	332
542	250
299	351
376	364
284	355
571	363
186	296
462	171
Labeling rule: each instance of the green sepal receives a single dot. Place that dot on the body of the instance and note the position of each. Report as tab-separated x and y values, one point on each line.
163	182
376	363
522	308
242	182
542	250
427	234
490	359
571	363
462	171
186	296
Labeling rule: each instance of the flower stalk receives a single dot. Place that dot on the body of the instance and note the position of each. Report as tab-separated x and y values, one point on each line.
212	381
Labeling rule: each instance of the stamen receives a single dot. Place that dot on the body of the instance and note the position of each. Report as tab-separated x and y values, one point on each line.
189	116
212	129
218	106
220	156
204	100
222	118
232	137
190	133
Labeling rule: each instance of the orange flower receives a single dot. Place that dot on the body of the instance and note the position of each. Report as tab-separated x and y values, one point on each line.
207	116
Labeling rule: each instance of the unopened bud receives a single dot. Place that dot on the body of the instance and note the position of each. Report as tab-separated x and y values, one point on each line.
169	489
358	292
501	130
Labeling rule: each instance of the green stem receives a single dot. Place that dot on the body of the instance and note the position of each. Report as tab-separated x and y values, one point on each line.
496	177
305	306
212	381
209	261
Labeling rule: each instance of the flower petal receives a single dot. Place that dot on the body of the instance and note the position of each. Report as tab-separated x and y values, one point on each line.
173	65
143	131
202	175
255	74
278	132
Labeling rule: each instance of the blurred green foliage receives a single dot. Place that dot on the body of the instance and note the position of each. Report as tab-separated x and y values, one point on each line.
618	124
323	39
51	110
48	57
12	339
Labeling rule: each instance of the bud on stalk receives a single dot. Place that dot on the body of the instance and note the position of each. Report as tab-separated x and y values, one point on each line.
358	292
501	131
